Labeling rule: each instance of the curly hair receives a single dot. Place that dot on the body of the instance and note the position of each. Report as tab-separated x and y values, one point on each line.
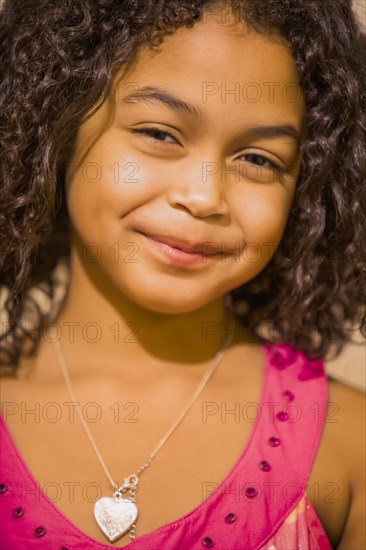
58	60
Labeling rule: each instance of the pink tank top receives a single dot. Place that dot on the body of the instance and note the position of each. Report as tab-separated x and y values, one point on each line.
260	505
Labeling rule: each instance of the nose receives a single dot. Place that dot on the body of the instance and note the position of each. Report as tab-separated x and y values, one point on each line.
201	190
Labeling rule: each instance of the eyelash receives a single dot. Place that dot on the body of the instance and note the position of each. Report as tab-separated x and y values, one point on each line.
145	131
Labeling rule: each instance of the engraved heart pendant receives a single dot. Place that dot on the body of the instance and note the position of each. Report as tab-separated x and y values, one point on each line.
115	516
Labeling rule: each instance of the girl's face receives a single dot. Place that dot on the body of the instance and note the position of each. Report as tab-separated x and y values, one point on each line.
227	114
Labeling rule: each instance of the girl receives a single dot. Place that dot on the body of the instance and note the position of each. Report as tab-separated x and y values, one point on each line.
183	183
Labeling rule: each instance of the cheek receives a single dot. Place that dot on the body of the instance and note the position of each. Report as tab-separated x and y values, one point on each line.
102	190
262	213
91	204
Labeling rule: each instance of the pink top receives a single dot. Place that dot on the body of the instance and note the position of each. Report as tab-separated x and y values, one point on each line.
260	505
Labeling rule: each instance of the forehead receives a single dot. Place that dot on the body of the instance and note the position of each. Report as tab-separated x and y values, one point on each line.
217	63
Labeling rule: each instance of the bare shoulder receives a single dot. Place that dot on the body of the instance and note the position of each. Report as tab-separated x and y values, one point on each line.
349	419
349	405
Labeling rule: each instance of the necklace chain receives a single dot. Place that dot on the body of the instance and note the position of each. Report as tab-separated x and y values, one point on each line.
210	371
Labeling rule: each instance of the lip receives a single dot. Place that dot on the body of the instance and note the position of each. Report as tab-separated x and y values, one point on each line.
203	248
178	256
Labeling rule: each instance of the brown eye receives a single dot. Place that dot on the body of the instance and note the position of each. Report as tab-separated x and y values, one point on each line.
155	134
263	162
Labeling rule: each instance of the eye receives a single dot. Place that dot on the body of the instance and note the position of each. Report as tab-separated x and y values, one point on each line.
155	134
263	162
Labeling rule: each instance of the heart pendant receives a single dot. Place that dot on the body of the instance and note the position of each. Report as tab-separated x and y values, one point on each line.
115	516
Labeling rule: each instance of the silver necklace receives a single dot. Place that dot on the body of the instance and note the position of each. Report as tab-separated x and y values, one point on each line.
117	515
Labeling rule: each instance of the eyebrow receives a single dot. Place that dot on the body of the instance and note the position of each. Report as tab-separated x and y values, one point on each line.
152	93
157	95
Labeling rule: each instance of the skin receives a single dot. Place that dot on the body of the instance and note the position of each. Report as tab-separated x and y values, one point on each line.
162	355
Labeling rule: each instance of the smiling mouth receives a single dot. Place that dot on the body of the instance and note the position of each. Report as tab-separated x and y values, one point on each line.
204	248
177	255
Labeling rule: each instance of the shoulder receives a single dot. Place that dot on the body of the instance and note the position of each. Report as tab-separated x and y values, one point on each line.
349	410
346	410
349	444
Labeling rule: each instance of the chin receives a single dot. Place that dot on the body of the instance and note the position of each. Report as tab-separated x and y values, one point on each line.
167	303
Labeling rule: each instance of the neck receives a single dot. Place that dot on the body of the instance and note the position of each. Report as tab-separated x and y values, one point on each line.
107	328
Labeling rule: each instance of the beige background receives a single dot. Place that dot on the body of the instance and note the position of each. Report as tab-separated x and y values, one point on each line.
360	8
350	366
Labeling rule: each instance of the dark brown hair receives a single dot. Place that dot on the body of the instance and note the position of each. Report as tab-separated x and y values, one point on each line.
58	60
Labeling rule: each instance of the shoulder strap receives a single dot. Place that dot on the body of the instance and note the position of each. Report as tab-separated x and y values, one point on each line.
291	426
